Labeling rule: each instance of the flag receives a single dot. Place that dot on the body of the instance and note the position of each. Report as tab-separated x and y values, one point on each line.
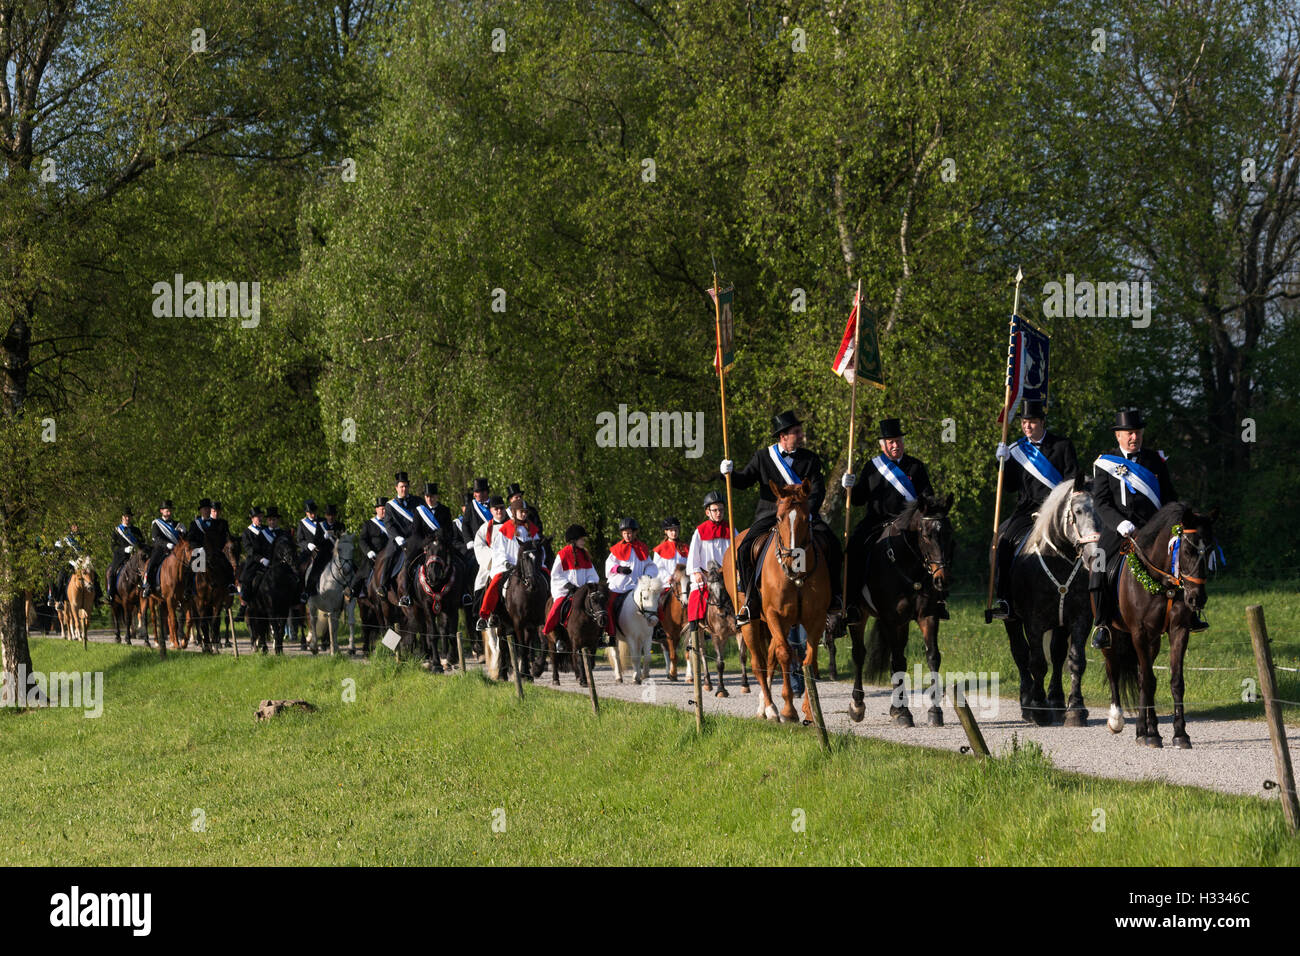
724	357
845	364
1027	356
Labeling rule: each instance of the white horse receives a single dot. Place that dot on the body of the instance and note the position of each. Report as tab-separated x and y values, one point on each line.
636	627
325	606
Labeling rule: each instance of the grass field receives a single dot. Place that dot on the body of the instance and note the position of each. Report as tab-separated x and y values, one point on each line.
418	769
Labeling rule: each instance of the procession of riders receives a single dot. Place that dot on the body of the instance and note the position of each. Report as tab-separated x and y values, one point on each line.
1129	485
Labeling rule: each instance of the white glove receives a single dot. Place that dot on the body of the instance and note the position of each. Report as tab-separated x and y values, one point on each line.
726	466
400	540
1003	452
266	562
1126	528
311	547
170	546
849	479
370	555
129	549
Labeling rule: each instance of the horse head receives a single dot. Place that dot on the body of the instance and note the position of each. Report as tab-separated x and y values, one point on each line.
648	590
284	550
1080	521
719	597
1198	552
596	604
793	530
934	539
530	563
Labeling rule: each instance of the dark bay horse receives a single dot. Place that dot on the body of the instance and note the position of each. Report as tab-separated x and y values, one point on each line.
580	637
1049	592
524	602
440	586
128	607
1160	588
906	580
275	591
213	577
720	623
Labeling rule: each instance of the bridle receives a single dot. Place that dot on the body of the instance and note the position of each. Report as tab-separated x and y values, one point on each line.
1082	541
1174	580
784	554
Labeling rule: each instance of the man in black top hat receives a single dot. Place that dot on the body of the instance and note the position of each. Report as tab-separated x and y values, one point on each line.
1035	464
785	462
433	517
198	528
891	480
400	520
315	547
166	535
1129	485
478	513
374	539
255	542
124	541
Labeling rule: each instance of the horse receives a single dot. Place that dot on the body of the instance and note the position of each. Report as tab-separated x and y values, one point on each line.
74	614
635	630
440	587
906	580
672	618
720	623
1160	589
275	591
364	608
125	601
1049	592
325	606
213	576
581	635
172	596
523	600
796	592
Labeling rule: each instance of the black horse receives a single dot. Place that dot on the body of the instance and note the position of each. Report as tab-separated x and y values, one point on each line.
580	637
1049	592
439	588
524	601
273	593
906	579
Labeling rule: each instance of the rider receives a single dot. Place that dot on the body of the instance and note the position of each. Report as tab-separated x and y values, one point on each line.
166	535
403	535
513	493
125	540
572	569
434	517
478	513
72	541
1035	464
374	538
506	540
256	544
670	553
310	535
483	545
709	545
1129	485
786	462
628	561
893	480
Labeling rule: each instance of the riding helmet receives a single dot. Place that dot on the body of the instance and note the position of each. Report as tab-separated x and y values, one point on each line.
628	524
712	498
670	522
573	532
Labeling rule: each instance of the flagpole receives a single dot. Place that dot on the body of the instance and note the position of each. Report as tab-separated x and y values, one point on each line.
722	392
1002	464
853	411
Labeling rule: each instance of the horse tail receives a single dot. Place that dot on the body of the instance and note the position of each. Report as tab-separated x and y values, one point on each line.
1124	660
877	667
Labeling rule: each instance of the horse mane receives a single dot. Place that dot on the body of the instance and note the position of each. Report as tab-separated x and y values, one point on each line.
1173	513
1045	522
905	516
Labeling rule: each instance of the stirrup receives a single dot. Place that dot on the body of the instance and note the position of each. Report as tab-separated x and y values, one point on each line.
404	601
1001	610
481	624
1101	637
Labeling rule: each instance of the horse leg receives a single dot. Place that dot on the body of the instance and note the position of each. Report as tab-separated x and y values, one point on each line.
719	655
758	660
778	652
930	632
1055	690
1177	649
897	636
670	655
1019	643
829	640
1076	715
1147	676
858	648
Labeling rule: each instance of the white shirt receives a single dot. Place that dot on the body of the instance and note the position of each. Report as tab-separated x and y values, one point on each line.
710	542
625	555
562	577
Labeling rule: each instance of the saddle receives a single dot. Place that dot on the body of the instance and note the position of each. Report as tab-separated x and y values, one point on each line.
619	599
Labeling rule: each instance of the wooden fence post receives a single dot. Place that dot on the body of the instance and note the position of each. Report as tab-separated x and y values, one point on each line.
1273	711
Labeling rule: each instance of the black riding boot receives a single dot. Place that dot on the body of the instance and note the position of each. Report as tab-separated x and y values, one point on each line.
1002	606
745	578
1099	592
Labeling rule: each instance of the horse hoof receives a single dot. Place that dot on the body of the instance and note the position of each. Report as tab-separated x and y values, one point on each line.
618	680
904	719
744	688
637	681
1076	718
1183	743
1152	740
722	692
857	711
427	665
936	717
672	678
1116	720
1041	716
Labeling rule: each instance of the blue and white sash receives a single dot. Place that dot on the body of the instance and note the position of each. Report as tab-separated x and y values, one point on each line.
790	477
309	525
429	519
126	534
394	503
268	535
890	471
483	510
167	529
380	525
1031	458
1131	476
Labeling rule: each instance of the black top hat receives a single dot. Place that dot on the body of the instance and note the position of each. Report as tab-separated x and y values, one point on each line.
784	422
380	501
255	512
1033	408
167	503
481	484
127	512
431	488
573	532
309	505
272	511
712	498
496	501
1128	419
513	489
628	524
890	428
331	511
216	506
670	522
205	503
401	477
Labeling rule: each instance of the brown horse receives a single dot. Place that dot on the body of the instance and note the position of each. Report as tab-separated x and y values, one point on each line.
580	637
1166	604
796	591
720	623
74	614
128	607
672	618
213	575
172	596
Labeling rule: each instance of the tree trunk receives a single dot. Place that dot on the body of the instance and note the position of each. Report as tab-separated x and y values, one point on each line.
13	611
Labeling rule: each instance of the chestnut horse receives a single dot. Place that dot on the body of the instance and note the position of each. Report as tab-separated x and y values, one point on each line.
1174	552
672	618
74	615
796	591
720	623
128	607
172	596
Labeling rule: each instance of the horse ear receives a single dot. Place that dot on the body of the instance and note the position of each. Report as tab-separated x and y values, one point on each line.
1079	480
776	489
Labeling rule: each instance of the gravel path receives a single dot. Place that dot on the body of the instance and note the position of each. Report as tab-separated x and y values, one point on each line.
1233	756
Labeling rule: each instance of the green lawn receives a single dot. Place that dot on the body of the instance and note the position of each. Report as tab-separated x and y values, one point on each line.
413	770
